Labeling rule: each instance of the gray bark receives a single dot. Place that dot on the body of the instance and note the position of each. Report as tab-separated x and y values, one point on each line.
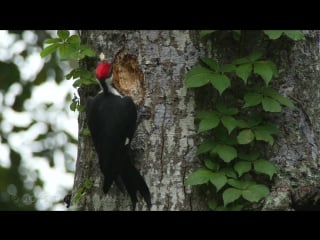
167	141
164	143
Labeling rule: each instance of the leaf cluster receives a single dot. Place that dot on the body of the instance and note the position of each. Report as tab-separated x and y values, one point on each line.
232	129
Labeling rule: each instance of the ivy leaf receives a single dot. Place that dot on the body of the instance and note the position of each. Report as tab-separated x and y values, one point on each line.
225	152
204	33
207	124
276	96
230	195
212	204
198	77
211	63
253	155
74	39
210	119
229	172
242	167
86	51
218	180
273	34
227	68
220	82
245	136
63	34
255	193
264	136
264	70
252	99
206	146
242	185
48	50
225	110
211	165
52	40
266	167
244	71
200	176
255	55
270	105
229	122
294	34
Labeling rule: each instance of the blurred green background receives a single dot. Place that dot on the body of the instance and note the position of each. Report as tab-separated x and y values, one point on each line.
38	131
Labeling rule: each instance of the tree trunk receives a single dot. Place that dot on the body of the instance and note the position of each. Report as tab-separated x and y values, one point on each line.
165	143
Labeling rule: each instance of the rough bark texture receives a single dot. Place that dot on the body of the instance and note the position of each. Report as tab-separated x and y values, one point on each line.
166	143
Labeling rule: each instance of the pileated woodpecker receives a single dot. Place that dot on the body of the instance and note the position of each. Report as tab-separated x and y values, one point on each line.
112	123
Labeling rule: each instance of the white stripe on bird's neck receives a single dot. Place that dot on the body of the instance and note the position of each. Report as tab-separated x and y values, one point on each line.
111	89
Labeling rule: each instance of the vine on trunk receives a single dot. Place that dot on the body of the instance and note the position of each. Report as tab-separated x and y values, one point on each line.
234	171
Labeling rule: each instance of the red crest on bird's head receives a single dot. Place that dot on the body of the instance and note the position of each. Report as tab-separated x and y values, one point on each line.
103	70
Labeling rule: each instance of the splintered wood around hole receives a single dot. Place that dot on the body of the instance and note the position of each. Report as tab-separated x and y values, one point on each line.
128	78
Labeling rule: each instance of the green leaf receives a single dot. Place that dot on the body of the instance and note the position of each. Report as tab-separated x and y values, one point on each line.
264	70
255	55
73	106
221	107
242	167
74	39
295	34
209	120
48	50
276	96
208	115
88	184
211	63
67	52
266	167
273	34
235	207
253	155
212	204
218	180
252	99
86	51
229	122
52	40
207	124
227	68
270	105
244	71
255	193
198	77
225	152
245	136
229	172
242	185
264	136
230	195
86	132
63	34
206	146
211	165
220	82
200	176
270	128
204	33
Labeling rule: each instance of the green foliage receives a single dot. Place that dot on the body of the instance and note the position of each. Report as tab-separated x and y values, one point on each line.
238	123
82	190
70	48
